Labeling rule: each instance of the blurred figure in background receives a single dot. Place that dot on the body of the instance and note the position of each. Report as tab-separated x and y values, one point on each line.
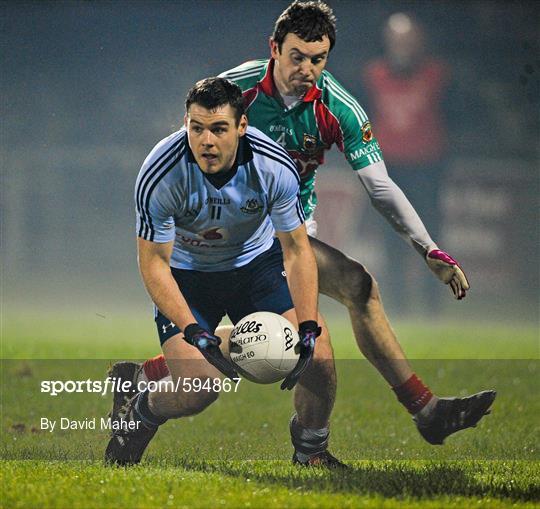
406	89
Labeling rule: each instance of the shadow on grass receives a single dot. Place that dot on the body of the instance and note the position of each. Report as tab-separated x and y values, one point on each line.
388	479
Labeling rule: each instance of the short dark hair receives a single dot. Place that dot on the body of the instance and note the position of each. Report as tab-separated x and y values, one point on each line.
211	93
309	20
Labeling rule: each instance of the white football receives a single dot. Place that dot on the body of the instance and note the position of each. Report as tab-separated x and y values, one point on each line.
262	345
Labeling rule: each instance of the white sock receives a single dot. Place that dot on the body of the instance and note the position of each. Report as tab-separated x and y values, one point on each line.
141	376
425	414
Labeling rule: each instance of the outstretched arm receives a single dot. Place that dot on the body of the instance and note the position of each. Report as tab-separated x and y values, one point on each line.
392	203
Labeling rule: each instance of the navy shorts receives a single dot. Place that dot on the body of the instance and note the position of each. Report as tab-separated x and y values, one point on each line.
261	285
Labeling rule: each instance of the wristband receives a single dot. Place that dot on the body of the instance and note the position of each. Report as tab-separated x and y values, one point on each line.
310	325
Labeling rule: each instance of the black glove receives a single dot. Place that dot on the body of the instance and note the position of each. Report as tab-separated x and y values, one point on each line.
308	331
208	345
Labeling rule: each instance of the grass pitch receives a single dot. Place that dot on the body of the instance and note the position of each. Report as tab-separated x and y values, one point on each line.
237	453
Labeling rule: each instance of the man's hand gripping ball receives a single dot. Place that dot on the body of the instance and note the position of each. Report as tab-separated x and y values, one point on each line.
208	345
308	331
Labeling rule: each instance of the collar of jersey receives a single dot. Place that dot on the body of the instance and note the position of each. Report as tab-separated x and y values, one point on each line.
244	154
267	85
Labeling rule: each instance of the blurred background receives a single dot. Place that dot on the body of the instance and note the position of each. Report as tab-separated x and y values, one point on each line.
89	87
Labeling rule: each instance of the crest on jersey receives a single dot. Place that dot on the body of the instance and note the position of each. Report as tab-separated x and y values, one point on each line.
251	207
310	143
367	134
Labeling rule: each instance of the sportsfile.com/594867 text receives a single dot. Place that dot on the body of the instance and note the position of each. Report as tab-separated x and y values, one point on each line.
110	385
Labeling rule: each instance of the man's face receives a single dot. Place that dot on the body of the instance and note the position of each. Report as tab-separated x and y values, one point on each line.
299	64
213	136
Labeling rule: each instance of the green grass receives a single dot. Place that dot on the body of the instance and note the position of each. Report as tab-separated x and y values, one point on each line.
92	335
192	483
237	453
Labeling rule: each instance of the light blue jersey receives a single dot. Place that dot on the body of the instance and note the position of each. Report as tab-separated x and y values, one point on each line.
217	226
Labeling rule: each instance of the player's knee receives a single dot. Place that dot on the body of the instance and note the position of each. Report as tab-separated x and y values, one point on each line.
374	295
371	303
323	347
360	286
322	364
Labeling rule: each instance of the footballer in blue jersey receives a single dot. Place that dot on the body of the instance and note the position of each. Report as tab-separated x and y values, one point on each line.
217	223
221	232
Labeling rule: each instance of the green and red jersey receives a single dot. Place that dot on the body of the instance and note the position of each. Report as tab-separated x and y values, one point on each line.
326	115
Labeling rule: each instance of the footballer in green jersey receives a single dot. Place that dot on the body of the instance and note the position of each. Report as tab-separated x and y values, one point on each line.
300	105
325	115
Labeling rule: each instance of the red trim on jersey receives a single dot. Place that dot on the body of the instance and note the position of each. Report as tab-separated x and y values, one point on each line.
312	94
267	83
250	95
328	125
268	86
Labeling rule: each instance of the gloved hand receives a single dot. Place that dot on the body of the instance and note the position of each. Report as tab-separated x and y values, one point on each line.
208	345
448	271
309	331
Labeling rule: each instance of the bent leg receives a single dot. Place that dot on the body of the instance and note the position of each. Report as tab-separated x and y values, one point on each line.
138	420
186	365
315	393
314	397
347	281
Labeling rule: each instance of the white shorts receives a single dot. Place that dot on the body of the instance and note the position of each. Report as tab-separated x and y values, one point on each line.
311	227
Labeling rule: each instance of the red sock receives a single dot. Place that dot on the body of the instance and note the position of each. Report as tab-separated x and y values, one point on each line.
413	394
156	368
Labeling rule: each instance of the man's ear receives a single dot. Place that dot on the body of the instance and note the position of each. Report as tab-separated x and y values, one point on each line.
242	125
274	50
185	120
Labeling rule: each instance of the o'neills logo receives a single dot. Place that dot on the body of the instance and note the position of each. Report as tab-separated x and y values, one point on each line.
367	135
245	328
